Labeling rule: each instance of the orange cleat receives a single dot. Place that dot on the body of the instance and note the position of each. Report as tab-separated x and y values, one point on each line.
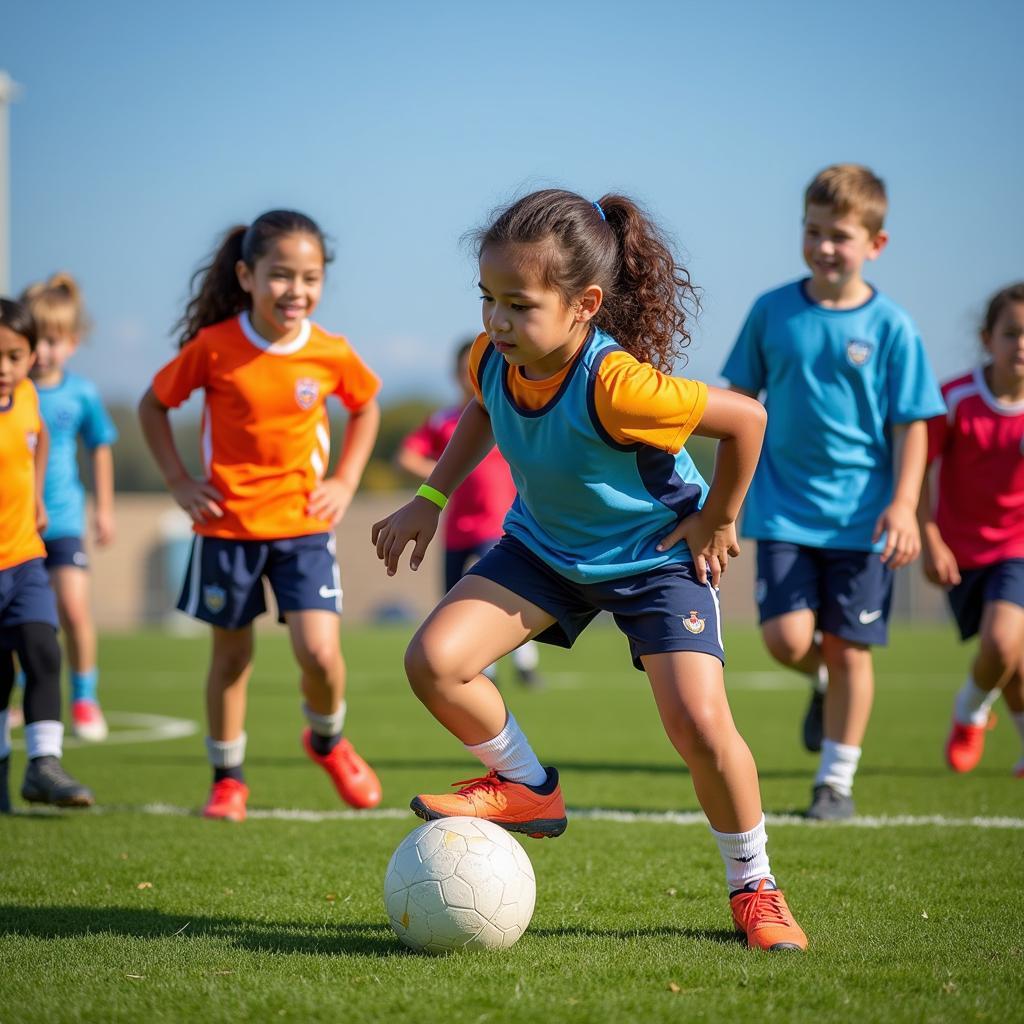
966	744
512	805
227	801
353	778
763	915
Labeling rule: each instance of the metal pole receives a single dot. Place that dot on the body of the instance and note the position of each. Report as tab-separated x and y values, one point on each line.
8	91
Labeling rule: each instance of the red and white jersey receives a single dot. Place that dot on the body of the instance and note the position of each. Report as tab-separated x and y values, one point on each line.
980	441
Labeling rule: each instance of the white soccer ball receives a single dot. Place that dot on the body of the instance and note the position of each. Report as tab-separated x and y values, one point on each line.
459	883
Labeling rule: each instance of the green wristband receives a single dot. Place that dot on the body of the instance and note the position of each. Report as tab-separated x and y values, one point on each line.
432	494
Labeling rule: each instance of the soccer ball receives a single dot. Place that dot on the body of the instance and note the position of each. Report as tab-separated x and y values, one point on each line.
459	883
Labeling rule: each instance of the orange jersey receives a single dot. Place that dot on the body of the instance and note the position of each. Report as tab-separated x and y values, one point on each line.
20	425
265	437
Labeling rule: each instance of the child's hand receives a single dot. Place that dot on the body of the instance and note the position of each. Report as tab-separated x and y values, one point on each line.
903	536
104	527
417	522
711	546
198	498
939	561
330	500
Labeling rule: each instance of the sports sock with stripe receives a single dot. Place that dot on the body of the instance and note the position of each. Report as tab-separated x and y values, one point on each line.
511	755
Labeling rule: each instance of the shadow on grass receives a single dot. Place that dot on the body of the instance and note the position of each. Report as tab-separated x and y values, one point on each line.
349	939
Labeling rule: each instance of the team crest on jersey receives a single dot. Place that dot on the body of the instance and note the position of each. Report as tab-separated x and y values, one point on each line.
214	598
858	352
31	439
307	391
693	623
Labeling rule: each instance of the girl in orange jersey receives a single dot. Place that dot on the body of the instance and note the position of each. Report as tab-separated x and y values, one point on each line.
265	507
579	300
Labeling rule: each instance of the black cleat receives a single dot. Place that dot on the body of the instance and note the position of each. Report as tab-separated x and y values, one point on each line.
829	805
47	782
5	798
814	722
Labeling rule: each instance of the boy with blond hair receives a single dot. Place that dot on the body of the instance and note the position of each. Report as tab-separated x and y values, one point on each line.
848	390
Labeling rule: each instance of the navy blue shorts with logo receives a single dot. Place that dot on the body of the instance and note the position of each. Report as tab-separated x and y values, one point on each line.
224	581
851	591
26	595
66	551
1003	581
659	611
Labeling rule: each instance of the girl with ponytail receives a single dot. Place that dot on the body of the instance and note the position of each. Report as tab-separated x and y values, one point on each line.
265	507
585	310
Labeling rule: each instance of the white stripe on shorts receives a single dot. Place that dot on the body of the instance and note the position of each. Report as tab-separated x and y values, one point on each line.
194	572
718	615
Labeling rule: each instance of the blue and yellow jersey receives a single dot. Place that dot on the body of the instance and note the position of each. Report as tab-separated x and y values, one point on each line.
836	382
596	453
71	410
20	425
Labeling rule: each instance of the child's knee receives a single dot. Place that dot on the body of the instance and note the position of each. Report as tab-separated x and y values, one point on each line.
1003	646
699	733
320	658
786	646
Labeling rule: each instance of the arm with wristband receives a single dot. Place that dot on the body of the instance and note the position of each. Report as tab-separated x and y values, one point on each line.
417	520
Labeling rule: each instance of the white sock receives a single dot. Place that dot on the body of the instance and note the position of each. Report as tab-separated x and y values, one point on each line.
44	739
326	725
745	856
510	754
5	735
838	766
527	657
972	705
819	679
226	753
1018	720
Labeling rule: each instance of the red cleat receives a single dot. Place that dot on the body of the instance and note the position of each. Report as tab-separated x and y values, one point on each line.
353	778
766	919
227	801
966	744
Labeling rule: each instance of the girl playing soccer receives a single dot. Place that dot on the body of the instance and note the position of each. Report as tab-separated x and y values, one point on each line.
975	544
264	507
579	300
72	409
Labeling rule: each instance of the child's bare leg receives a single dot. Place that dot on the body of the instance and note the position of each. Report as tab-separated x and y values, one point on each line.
790	640
317	649
689	690
851	690
226	687
71	586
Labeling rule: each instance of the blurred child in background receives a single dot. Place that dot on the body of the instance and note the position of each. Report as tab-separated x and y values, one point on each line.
265	506
832	505
28	608
477	507
72	410
974	545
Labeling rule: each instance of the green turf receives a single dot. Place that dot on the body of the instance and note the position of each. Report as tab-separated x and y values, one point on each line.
123	915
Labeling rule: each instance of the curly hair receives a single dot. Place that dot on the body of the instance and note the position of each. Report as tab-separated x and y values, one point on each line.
649	300
219	295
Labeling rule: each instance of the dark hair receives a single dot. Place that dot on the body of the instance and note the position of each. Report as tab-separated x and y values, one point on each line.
219	295
16	317
999	302
463	350
648	297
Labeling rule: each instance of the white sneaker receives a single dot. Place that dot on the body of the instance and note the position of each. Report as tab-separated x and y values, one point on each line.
87	721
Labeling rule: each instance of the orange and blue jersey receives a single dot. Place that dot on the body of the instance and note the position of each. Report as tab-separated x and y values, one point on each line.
20	426
265	433
596	453
980	445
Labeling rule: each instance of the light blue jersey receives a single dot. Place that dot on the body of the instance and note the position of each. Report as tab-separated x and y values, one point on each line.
835	384
70	410
590	507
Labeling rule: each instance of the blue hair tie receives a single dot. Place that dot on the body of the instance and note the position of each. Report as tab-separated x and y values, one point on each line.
597	206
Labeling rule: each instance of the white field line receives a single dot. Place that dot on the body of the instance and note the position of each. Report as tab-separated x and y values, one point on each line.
599	814
142	729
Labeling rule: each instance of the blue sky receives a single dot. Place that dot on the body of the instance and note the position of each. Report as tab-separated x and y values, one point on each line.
145	130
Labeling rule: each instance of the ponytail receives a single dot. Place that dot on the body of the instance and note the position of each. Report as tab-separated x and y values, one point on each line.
649	299
56	306
220	296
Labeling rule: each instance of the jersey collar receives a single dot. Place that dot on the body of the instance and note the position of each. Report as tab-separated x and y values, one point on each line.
273	348
1003	408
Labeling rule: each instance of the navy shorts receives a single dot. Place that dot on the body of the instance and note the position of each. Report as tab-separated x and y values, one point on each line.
66	551
663	610
26	595
224	581
1003	581
851	591
458	561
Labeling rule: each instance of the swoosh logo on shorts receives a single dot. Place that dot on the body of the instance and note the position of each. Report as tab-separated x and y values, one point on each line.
325	593
866	618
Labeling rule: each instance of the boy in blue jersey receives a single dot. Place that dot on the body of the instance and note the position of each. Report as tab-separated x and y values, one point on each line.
848	389
72	409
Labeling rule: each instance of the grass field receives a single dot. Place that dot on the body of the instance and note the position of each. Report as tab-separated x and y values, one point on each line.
141	911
